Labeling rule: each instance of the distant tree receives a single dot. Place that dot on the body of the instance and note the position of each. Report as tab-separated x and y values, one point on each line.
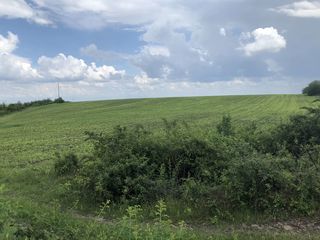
59	100
313	89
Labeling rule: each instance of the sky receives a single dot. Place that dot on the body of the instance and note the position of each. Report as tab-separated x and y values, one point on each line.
106	49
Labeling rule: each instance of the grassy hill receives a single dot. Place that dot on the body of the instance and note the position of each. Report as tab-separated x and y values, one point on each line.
35	134
30	138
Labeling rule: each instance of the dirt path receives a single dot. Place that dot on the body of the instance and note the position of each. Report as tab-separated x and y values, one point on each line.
294	226
301	225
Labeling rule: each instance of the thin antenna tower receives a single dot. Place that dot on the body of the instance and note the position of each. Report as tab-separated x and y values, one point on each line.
58	90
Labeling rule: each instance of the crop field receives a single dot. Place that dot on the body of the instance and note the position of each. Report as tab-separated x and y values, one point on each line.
29	139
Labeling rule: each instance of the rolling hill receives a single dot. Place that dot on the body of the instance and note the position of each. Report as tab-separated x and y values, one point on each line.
31	137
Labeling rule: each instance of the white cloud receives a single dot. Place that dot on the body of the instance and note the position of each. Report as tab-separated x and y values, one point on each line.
155	50
264	40
109	56
143	82
13	67
16	68
184	42
302	9
95	14
174	34
69	68
9	44
64	68
103	73
20	9
223	32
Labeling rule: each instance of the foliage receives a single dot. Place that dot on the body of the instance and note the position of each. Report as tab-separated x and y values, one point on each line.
31	222
313	89
66	165
35	136
59	100
140	166
15	107
225	127
298	136
34	223
273	184
29	139
220	170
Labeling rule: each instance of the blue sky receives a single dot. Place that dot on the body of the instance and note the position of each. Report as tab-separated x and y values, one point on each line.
103	49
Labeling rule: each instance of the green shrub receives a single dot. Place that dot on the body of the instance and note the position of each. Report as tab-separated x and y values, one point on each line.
67	164
225	126
59	100
244	169
313	89
293	136
273	184
138	165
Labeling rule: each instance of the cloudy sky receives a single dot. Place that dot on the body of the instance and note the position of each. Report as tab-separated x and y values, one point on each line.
103	49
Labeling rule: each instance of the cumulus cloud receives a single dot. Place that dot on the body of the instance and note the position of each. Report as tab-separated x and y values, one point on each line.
69	68
16	68
107	56
13	67
21	9
8	44
302	9
100	13
143	82
61	67
178	41
262	40
155	50
182	44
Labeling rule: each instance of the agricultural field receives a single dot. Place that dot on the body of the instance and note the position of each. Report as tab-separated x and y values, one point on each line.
31	138
34	135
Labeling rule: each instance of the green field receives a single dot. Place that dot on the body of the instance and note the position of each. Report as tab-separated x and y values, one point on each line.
30	138
33	135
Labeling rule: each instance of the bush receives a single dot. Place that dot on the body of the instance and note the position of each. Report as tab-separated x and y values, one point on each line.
66	165
255	182
273	184
301	131
277	171
138	165
225	127
59	100
313	89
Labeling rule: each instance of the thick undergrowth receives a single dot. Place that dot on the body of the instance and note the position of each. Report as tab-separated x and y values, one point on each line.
223	169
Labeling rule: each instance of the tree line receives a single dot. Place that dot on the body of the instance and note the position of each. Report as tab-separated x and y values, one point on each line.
15	107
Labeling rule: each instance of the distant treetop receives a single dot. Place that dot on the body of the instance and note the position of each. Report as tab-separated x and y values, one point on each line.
59	100
313	89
